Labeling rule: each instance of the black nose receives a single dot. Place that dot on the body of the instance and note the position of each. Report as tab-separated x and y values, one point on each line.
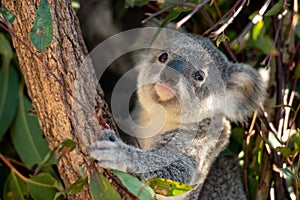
173	71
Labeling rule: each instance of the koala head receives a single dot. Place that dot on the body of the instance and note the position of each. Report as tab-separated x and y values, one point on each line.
192	80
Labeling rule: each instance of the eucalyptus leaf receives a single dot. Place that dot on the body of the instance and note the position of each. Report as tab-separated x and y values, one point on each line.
222	38
77	186
101	189
55	154
8	97
135	186
26	134
285	151
168	187
132	3
14	188
8	86
43	186
275	9
257	29
287	171
5	50
41	33
266	45
297	71
7	15
173	14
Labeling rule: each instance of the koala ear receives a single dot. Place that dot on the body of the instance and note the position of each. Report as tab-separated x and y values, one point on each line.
244	92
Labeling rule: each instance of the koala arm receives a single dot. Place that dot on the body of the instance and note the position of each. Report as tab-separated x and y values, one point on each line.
112	153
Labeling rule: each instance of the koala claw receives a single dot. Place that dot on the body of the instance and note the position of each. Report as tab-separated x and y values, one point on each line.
109	135
109	152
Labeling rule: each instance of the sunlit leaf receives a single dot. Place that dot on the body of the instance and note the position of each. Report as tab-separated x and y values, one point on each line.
285	151
41	33
256	31
14	188
222	38
168	187
136	187
101	189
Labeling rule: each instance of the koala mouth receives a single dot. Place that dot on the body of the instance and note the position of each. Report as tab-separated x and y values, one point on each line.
164	91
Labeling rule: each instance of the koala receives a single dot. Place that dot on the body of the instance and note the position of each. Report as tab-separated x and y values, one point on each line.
188	93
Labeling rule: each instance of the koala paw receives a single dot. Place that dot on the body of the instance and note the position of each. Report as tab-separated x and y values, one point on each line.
110	151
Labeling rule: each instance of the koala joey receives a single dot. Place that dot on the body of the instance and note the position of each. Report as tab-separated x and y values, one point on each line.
187	93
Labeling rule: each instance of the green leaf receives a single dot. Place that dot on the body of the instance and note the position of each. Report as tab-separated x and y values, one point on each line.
256	31
5	50
173	14
285	151
297	31
290	174
8	87
101	189
236	142
26	134
222	38
54	155
48	160
14	188
168	187
294	141
8	97
77	186
41	33
275	9
132	3
136	187
287	171
44	186
7	15
266	45
67	146
297	71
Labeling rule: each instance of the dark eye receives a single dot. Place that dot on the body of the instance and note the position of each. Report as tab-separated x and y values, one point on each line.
199	75
163	58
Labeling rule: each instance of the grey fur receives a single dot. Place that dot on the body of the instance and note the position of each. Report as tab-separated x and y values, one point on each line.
196	127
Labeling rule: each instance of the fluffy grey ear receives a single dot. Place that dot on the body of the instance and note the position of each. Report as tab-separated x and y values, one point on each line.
244	92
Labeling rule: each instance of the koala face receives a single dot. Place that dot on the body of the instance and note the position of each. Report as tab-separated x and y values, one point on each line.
181	80
192	80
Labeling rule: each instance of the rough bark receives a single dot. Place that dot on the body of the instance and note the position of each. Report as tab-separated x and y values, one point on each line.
58	116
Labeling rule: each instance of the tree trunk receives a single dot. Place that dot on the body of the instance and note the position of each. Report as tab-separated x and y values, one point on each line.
58	116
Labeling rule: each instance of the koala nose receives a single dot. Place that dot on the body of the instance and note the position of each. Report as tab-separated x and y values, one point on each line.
172	71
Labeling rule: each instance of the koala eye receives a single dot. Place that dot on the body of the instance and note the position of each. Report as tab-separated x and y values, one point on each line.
199	75
163	58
